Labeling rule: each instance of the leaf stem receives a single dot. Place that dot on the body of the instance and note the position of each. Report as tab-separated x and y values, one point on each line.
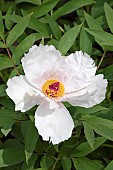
101	60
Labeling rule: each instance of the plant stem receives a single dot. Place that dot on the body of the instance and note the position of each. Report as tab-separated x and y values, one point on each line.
12	61
57	159
101	60
107	145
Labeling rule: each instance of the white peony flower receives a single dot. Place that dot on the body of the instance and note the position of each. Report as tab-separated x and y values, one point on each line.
50	79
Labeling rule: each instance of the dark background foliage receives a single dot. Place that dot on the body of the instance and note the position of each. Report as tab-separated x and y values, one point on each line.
72	25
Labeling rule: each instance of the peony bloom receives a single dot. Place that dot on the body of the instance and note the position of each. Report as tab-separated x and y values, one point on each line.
51	79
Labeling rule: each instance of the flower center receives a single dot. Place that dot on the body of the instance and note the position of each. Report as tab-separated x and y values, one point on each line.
53	89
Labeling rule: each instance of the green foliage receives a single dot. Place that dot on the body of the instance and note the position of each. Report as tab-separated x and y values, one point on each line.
11	156
68	39
72	25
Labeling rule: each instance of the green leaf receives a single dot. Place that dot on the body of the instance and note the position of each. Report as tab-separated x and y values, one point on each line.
104	131
2	90
70	7
67	40
17	30
87	164
13	18
2	45
110	166
66	163
54	27
46	161
85	42
44	8
84	148
89	134
92	23
30	164
94	120
91	110
105	37
38	26
9	23
5	62
109	14
36	2
98	8
108	73
11	156
22	48
1	27
30	135
12	143
8	118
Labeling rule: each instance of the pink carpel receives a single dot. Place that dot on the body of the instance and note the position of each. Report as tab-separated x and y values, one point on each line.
55	86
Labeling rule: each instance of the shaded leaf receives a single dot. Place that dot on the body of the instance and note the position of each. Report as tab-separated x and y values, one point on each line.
66	163
11	156
2	90
46	161
36	2
110	166
84	148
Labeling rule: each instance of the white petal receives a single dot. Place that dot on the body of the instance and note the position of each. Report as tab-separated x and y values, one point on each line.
89	96
42	63
55	125
80	69
22	94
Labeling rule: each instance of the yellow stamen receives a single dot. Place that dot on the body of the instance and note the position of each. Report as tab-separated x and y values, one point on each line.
53	89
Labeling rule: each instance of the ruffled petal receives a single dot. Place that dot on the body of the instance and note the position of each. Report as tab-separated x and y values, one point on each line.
80	69
42	63
22	94
89	96
55	125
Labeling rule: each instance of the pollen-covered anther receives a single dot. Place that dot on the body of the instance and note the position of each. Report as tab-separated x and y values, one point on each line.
53	89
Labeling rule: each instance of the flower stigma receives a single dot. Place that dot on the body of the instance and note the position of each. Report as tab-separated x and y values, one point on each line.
53	89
